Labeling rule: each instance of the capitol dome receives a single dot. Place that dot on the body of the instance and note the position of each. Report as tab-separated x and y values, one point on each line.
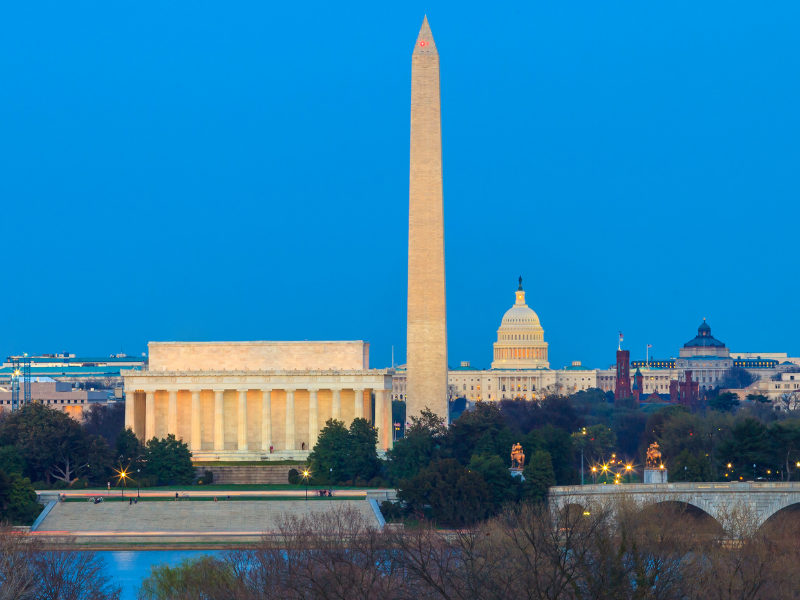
520	339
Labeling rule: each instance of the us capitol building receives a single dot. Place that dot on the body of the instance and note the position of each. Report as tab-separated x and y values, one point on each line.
520	368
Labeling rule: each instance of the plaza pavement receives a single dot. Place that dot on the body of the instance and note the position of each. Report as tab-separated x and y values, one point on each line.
165	522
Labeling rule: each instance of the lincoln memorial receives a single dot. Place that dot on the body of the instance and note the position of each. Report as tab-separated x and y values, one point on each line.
255	400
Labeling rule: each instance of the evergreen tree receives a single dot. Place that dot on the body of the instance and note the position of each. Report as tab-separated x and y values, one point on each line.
362	450
423	443
688	467
11	461
168	461
328	459
724	402
129	449
341	454
502	485
539	476
453	494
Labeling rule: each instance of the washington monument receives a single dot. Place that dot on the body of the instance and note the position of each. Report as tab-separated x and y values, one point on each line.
426	361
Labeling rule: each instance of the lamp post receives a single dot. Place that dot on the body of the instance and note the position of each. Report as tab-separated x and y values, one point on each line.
305	476
628	468
754	471
138	480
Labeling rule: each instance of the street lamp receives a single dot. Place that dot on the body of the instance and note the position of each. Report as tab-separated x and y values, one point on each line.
122	476
138	481
628	468
305	476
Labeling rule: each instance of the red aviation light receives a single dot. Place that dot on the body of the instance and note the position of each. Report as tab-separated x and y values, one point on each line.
424	43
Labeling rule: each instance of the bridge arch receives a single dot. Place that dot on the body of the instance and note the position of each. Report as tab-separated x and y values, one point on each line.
703	520
783	513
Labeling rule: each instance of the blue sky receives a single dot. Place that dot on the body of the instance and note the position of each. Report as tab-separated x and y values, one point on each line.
235	171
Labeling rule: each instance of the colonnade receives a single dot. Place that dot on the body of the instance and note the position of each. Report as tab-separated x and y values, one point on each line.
530	353
144	423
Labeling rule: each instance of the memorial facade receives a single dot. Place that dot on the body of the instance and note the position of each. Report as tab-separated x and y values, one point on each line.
255	400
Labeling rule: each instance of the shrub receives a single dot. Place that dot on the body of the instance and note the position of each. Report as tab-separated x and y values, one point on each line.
392	511
377	482
294	476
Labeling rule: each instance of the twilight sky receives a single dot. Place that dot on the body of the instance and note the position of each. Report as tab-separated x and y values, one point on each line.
239	171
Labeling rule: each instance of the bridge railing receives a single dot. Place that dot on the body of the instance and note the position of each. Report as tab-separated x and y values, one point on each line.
610	488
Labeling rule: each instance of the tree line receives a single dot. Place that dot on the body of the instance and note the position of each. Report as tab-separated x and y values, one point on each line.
44	448
615	550
458	473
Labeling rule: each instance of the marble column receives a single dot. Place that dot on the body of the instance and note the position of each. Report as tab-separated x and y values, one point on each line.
266	419
195	440
313	418
172	413
150	415
387	396
130	407
359	414
290	420
242	419
219	424
336	411
379	419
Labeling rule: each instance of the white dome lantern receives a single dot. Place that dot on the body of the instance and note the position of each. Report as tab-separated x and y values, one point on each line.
520	339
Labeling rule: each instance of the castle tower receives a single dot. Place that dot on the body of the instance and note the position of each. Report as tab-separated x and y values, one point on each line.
623	386
426	359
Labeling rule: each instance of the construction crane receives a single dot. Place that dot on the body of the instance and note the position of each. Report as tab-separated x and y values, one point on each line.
20	368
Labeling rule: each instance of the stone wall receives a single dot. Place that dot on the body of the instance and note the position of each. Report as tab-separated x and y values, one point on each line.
258	356
249	474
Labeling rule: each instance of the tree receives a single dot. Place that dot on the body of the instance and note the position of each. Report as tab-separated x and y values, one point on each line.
539	477
328	459
11	460
758	398
597	443
107	420
169	461
784	439
688	467
747	446
423	442
559	444
787	401
362	455
724	402
454	495
484	425
341	454
53	443
129	449
501	484
18	503
99	459
736	378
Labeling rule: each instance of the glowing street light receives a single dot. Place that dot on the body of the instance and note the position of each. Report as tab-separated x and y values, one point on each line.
306	475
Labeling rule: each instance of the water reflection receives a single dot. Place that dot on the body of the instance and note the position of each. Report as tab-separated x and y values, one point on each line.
129	567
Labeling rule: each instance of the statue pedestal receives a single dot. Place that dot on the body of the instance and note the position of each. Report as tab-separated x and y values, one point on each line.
655	475
516	473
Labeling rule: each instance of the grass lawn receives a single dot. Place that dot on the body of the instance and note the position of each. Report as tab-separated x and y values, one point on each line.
219	488
248	463
221	498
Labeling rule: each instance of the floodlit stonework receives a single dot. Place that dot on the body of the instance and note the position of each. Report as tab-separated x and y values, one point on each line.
427	318
236	400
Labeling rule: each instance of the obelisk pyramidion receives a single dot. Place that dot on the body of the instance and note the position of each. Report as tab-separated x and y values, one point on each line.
426	360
